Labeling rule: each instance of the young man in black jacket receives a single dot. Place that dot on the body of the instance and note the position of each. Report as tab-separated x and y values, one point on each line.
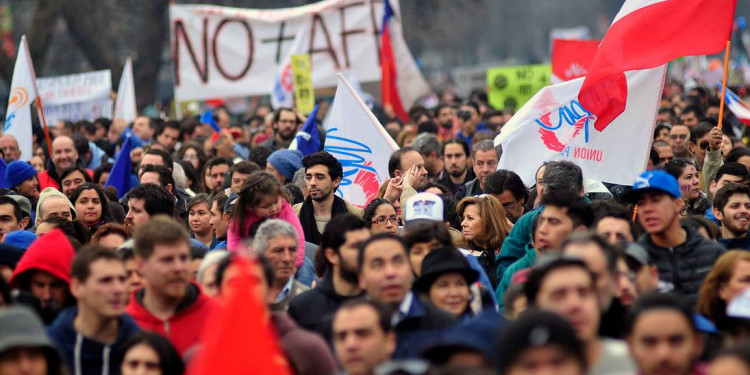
340	243
682	255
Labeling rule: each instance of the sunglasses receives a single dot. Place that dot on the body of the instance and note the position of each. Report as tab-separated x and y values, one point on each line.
703	145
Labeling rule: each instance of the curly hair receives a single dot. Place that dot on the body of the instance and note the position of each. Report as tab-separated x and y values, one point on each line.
257	186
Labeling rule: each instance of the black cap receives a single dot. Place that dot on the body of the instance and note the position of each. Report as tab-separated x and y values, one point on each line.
440	261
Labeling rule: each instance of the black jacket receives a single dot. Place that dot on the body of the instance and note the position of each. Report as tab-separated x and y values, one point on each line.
446	180
313	310
683	268
469	189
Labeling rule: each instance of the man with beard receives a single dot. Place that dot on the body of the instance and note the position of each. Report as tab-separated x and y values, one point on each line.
445	116
285	124
340	243
662	336
485	158
323	175
169	304
732	207
456	158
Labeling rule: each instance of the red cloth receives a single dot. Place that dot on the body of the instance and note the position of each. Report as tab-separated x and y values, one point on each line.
645	35
240	340
51	252
45	180
183	328
389	75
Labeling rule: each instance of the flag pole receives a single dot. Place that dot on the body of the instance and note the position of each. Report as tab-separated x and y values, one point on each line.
635	212
724	84
44	124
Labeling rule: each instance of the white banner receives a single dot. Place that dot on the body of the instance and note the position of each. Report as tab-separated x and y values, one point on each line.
83	96
229	52
355	137
554	126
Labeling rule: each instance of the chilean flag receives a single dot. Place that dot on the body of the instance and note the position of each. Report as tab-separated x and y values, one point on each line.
646	34
737	106
389	78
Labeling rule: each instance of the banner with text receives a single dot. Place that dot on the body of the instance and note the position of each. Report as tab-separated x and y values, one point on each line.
512	86
83	96
230	52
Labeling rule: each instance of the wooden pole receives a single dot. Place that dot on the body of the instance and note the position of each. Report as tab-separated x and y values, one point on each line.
724	84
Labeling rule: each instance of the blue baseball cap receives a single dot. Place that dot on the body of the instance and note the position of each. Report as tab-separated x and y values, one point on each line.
654	181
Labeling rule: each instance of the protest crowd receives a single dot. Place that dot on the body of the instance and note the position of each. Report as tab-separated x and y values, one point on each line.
222	243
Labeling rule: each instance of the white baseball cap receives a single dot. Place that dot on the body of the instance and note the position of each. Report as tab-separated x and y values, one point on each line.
423	207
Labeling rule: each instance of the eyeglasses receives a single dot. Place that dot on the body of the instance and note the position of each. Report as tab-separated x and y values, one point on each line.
676	136
381	220
666	160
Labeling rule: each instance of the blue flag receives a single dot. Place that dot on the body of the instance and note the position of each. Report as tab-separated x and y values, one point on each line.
208	118
119	176
3	166
308	139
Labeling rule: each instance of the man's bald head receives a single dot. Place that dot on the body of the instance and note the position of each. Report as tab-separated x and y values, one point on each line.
64	153
9	145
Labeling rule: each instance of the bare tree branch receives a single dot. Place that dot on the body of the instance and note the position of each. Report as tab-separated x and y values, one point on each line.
96	45
151	37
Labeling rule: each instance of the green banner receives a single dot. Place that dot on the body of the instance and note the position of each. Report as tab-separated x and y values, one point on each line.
512	86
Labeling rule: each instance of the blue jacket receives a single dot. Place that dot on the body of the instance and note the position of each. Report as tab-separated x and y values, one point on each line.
736	243
422	325
84	356
97	154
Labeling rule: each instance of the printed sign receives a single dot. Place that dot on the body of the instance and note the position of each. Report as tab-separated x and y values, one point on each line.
511	87
304	94
83	96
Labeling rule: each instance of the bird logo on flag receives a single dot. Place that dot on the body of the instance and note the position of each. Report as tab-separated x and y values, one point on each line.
19	97
571	114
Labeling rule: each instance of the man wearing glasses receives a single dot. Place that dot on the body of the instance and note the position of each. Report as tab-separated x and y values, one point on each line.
285	124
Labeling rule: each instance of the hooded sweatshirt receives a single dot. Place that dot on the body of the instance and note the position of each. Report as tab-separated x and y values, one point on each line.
51	253
234	239
184	327
84	356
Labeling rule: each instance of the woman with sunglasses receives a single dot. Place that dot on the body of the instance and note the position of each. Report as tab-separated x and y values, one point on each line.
380	217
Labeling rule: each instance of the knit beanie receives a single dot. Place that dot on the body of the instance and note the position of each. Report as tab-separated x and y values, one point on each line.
17	172
52	192
286	162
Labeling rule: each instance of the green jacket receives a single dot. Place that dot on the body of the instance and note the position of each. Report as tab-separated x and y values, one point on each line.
515	244
525	262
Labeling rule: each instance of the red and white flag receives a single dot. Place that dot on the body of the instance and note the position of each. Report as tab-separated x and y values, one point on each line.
401	82
571	58
23	92
553	125
737	106
646	34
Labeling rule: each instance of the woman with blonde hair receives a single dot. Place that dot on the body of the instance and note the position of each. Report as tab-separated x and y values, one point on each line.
729	276
484	227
